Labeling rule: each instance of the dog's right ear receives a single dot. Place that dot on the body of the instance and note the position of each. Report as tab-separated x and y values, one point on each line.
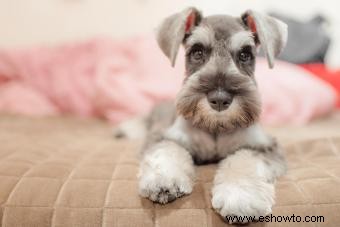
174	30
271	33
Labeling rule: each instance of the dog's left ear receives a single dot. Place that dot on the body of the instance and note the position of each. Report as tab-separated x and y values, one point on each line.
174	29
269	32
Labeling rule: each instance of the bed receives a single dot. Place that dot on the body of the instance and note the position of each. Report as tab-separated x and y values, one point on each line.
62	171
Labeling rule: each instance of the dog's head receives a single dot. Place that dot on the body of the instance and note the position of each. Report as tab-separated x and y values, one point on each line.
219	93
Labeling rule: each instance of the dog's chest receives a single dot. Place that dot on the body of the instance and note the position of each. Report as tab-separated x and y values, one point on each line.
204	147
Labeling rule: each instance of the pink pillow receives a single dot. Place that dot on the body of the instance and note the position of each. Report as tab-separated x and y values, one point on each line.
291	94
117	80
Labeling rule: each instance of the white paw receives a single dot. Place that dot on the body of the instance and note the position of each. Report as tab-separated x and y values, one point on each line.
164	188
166	174
236	201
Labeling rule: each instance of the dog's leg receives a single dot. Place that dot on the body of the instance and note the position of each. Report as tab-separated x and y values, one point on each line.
166	172
244	184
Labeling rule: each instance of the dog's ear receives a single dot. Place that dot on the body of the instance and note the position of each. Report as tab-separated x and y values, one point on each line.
175	29
269	32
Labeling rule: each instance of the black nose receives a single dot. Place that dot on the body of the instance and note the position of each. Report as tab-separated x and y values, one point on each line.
219	99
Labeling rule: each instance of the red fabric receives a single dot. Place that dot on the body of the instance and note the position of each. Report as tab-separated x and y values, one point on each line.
327	75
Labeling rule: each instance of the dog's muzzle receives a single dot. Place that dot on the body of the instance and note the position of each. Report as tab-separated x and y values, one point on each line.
219	99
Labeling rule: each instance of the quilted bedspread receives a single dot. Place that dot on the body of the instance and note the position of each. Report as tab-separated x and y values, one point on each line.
69	172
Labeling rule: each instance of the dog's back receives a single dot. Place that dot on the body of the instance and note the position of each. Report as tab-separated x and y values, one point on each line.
161	117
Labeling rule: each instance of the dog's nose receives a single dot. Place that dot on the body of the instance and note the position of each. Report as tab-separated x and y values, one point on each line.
219	99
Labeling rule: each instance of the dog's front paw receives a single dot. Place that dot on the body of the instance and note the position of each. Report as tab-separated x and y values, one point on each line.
243	202
164	188
166	173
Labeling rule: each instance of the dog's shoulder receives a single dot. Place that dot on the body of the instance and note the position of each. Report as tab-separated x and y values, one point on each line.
251	137
205	146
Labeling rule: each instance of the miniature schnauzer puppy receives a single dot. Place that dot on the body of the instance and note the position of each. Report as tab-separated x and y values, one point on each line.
216	113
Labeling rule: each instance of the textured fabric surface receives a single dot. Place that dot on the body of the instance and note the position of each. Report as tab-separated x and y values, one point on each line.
67	172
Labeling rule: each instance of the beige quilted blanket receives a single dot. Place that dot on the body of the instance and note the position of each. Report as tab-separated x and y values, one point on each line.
68	172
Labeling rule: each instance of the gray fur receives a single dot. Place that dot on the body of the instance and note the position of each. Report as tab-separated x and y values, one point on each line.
220	56
219	69
271	33
172	32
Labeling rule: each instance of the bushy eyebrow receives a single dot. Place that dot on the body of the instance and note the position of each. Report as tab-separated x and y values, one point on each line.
241	39
201	34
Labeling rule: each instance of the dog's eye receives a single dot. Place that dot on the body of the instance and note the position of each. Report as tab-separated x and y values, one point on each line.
197	53
245	55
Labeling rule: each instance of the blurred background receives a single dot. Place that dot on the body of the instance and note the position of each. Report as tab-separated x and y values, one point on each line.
83	57
71	70
54	21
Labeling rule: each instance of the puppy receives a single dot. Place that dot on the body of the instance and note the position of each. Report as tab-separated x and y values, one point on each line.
215	117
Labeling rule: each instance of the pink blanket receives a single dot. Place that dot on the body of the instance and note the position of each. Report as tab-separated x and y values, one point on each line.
116	80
